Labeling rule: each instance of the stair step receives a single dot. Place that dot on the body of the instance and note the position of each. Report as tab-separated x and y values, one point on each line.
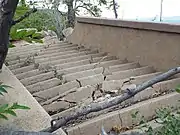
110	119
66	60
125	66
116	84
59	57
23	69
29	74
55	54
130	73
52	92
40	86
28	48
72	64
37	78
56	46
91	80
81	74
85	93
58	106
58	50
78	68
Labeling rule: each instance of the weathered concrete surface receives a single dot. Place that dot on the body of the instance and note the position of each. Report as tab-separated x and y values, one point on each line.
34	119
137	41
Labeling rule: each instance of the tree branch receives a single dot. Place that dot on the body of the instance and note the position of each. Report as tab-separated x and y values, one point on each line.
27	14
95	107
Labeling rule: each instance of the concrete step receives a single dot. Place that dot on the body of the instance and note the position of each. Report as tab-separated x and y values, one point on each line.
58	50
87	51
123	117
43	85
27	48
51	58
22	64
130	73
29	74
56	46
126	66
91	80
37	78
66	60
116	84
55	91
78	68
84	93
81	74
23	69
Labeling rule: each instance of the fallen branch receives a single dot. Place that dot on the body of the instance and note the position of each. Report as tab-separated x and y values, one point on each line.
27	14
95	107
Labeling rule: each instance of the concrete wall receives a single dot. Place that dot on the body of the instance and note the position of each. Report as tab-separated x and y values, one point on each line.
147	43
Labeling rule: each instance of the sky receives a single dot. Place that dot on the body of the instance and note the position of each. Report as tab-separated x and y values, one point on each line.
132	9
136	9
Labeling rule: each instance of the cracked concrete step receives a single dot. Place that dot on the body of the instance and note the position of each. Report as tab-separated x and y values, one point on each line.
91	80
25	48
19	65
123	117
61	53
81	74
126	66
85	62
144	95
30	73
55	59
37	78
84	93
42	52
58	106
55	54
116	84
130	73
56	46
79	68
43	85
52	92
22	56
74	54
71	55
66	60
23	69
58	50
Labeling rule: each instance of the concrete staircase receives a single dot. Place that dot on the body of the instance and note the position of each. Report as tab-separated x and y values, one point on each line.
61	76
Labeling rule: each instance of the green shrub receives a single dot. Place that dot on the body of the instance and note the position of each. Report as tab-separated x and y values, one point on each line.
7	109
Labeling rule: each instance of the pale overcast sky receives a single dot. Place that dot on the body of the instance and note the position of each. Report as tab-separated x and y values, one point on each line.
131	9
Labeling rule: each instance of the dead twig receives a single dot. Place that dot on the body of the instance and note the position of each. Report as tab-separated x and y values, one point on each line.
109	102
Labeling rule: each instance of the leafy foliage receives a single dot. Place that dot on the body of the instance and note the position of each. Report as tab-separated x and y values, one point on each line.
27	35
6	109
170	122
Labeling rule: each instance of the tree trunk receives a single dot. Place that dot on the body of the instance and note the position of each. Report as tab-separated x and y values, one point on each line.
7	10
161	10
71	14
114	8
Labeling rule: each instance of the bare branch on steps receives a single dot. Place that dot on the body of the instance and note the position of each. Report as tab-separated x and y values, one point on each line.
109	102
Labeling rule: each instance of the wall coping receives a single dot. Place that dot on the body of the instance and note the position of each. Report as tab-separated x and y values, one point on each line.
152	26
